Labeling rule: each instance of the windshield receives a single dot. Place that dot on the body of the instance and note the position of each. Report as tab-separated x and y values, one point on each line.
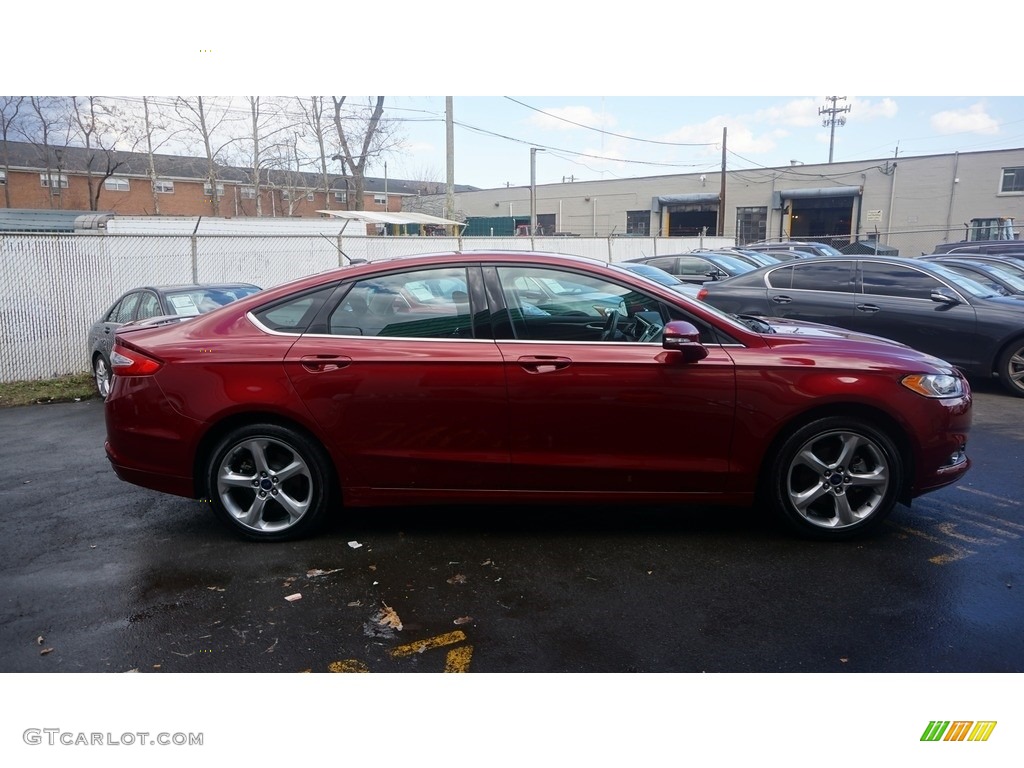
653	273
965	284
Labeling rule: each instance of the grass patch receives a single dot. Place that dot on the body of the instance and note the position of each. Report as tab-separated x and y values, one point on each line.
63	389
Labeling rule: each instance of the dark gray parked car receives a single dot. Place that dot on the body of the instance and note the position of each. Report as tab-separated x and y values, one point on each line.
919	303
174	302
698	266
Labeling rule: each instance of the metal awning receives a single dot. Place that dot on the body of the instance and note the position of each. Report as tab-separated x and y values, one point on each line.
695	198
813	192
380	217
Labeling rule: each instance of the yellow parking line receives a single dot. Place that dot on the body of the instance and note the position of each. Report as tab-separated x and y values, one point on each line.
458	659
425	645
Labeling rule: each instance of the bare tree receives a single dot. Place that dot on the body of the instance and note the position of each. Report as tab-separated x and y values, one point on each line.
209	121
48	129
313	113
92	120
365	130
269	147
10	111
151	133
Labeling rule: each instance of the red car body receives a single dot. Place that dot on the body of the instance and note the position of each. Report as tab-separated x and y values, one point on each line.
485	415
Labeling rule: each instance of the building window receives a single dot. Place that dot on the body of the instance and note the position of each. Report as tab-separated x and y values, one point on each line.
208	190
341	197
248	193
380	199
751	224
56	180
638	222
3	178
163	186
310	196
1013	180
115	184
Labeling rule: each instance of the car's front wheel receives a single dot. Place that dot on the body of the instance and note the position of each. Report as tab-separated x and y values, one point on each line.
835	478
1011	368
270	482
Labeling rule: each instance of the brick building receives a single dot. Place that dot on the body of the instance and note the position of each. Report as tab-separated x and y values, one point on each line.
73	178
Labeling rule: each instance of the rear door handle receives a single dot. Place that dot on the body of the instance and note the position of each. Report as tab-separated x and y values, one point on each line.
324	363
543	363
869	308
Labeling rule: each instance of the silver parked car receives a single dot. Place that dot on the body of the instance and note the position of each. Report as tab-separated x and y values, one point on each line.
154	304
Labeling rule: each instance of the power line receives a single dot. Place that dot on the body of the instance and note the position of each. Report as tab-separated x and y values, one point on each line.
610	133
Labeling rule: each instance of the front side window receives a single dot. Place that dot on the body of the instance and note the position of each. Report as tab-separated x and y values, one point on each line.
423	304
898	280
556	305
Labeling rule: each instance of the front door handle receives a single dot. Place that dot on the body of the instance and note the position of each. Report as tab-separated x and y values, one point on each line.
781	299
324	363
543	363
869	308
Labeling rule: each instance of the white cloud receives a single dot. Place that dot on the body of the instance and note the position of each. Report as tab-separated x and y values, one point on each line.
798	113
974	119
739	137
865	109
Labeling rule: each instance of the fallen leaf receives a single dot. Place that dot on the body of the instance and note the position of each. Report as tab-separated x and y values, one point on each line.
45	651
843	659
348	665
40	640
293	598
355	604
387	617
313	572
355	544
462	620
457	579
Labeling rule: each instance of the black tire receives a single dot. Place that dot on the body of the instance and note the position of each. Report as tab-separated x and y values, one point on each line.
835	478
270	483
1011	368
101	375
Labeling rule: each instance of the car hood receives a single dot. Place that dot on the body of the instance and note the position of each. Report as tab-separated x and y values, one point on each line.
784	325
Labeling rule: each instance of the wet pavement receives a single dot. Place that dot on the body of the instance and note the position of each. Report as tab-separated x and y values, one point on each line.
97	575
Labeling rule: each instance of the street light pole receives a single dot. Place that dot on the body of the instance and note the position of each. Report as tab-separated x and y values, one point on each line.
533	189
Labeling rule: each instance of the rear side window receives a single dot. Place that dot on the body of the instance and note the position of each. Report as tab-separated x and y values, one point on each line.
423	304
824	276
295	314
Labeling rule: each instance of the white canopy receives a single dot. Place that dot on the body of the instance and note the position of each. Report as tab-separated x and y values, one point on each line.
380	217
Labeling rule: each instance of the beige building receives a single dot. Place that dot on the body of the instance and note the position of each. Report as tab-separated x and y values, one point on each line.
910	203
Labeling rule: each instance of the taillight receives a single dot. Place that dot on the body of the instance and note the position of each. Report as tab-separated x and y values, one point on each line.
131	362
702	294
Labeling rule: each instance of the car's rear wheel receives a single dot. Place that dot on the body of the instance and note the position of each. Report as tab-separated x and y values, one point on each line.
270	482
1011	368
835	478
101	375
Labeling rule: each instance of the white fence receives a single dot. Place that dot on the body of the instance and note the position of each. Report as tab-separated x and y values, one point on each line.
54	287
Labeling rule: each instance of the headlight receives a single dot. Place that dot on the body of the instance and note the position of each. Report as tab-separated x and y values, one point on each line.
934	384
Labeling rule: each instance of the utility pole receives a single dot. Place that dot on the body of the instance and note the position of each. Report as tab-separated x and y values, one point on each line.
449	129
835	117
721	193
533	189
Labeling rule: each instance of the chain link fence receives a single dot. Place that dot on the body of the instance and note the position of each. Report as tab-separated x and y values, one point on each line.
54	287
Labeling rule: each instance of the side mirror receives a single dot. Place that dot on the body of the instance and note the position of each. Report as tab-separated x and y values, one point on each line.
683	337
945	296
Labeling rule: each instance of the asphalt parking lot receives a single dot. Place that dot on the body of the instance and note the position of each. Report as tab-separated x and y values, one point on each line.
97	575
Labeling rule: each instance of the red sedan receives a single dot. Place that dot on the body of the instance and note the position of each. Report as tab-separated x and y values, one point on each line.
486	377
